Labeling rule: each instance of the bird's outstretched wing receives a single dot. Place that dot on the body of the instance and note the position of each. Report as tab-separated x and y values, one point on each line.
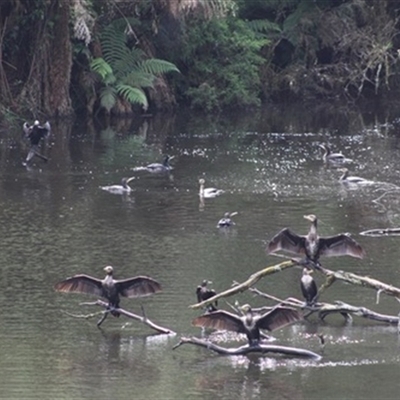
80	284
278	317
287	240
137	287
340	245
220	320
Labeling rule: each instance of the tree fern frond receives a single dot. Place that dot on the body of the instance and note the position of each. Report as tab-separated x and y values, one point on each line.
133	95
138	78
101	67
263	25
156	66
108	97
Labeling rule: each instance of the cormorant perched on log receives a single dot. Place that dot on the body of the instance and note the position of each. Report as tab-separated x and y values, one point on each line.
204	293
123	188
159	168
35	133
109	287
208	193
313	246
308	287
250	323
334	158
226	221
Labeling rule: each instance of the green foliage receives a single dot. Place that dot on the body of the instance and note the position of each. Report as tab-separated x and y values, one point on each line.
124	70
221	59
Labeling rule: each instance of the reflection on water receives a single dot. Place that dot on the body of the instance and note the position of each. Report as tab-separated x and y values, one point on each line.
55	221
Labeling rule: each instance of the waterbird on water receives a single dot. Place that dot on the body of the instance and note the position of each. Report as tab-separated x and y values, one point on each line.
123	188
159	168
208	193
250	323
226	221
109	288
35	133
308	287
356	180
204	293
334	158
313	246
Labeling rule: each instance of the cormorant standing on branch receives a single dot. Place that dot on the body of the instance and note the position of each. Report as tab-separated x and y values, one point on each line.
250	323
110	288
35	133
205	293
308	287
313	246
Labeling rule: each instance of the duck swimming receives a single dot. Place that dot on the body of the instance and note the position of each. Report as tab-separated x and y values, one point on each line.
109	288
160	168
345	178
123	188
313	246
205	293
250	323
226	221
208	193
334	158
308	287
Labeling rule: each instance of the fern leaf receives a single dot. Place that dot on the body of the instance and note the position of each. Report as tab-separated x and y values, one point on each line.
156	66
108	97
101	67
133	95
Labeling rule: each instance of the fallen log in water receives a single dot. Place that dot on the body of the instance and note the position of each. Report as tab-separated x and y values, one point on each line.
252	280
381	232
246	349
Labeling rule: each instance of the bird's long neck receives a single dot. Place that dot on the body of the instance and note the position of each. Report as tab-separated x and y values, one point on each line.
312	241
201	189
166	163
345	175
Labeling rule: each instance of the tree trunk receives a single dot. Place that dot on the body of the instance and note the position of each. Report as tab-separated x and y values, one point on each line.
47	88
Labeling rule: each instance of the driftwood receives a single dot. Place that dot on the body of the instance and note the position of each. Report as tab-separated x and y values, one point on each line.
358	280
324	309
246	349
143	319
251	281
381	232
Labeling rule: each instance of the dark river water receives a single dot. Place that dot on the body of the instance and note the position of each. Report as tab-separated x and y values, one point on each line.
55	222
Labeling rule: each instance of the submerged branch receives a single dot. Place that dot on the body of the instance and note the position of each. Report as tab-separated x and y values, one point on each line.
252	280
246	349
143	319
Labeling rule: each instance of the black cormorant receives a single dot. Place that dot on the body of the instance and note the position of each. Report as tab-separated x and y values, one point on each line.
308	287
110	288
313	246
205	293
250	323
35	133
